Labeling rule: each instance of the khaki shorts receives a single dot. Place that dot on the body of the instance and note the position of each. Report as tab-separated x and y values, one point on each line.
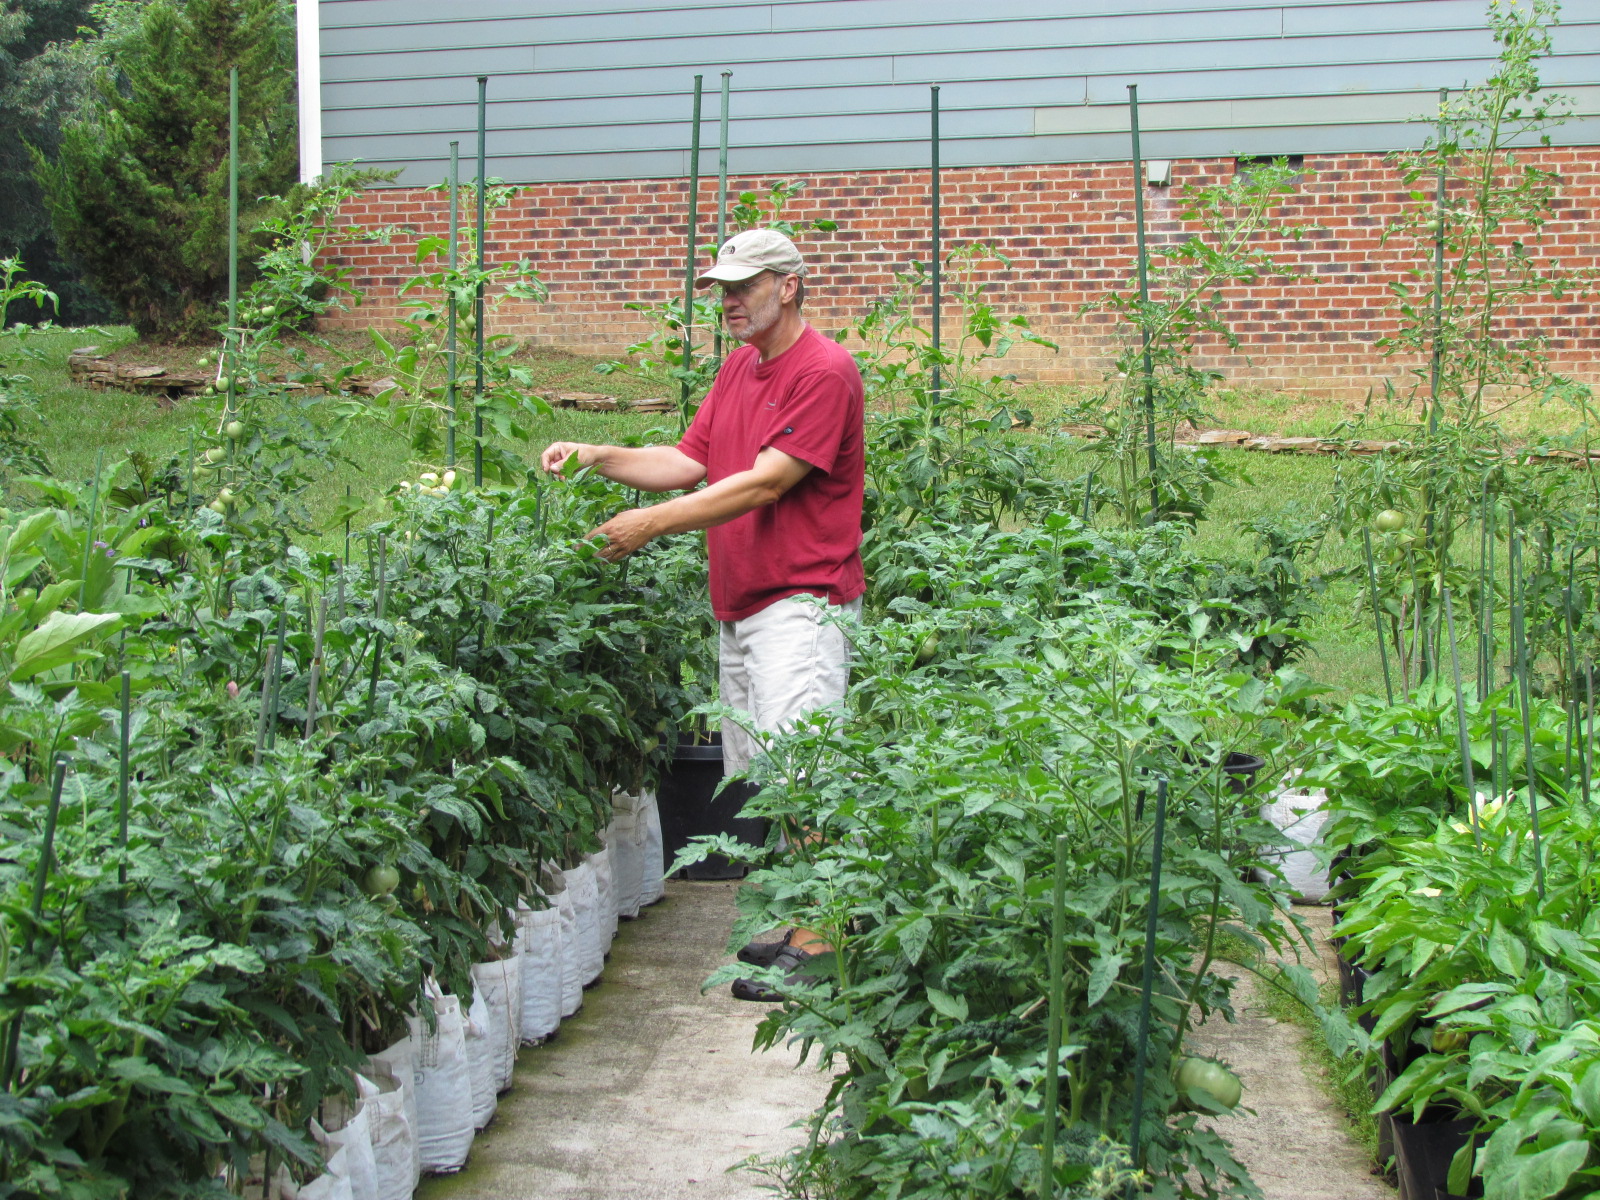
788	659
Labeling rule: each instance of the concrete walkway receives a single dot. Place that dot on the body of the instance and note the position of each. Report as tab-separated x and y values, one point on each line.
651	1092
1296	1142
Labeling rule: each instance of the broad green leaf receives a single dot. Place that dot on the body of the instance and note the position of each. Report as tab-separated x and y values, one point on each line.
1535	1176
954	1007
1507	951
59	640
1102	974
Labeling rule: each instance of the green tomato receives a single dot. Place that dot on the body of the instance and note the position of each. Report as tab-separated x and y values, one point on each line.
1447	1039
234	429
215	454
380	881
217	506
1389	521
1212	1078
268	310
929	647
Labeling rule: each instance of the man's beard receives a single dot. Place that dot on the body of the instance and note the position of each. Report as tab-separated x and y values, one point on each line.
758	321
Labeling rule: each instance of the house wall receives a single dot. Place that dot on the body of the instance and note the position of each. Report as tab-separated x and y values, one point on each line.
1067	229
600	89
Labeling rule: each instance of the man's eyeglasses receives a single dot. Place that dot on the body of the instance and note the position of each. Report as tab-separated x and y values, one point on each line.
743	287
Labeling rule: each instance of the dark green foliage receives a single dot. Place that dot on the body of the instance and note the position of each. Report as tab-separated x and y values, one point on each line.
138	192
44	74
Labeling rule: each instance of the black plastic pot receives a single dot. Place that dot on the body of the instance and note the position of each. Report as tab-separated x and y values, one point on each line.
691	807
1241	769
1422	1154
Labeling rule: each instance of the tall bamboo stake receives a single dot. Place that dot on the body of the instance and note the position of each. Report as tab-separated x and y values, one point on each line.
483	187
1052	1054
936	251
1144	301
450	325
689	254
1147	983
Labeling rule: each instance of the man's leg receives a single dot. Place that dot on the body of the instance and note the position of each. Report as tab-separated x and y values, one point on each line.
791	658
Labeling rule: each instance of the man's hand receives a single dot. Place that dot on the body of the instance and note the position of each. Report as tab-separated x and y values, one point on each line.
556	454
624	533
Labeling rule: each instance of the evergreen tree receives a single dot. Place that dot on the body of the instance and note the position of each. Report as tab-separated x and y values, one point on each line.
138	192
45	68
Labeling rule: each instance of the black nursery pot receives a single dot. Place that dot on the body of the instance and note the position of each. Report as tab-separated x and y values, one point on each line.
1241	769
1422	1154
691	807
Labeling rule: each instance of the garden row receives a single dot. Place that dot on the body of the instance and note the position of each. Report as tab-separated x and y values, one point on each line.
1468	931
260	819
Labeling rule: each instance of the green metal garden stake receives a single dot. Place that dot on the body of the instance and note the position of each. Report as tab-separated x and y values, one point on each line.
36	908
936	249
1052	1056
1519	640
1436	351
1144	301
231	342
277	673
1088	495
689	254
483	599
1463	742
1147	983
483	187
722	194
1484	665
267	675
188	483
1569	619
347	495
382	597
450	320
1587	762
1377	615
94	518
122	778
316	665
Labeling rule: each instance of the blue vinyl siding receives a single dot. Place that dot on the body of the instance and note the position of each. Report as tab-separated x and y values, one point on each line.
600	89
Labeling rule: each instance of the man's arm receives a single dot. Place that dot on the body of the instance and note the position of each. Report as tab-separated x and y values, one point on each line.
649	468
773	474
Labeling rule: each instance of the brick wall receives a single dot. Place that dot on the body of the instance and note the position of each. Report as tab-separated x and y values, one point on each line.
1068	230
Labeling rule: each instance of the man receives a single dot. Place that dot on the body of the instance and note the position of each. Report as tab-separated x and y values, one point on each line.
779	445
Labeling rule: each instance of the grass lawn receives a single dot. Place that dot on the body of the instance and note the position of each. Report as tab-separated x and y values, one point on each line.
79	424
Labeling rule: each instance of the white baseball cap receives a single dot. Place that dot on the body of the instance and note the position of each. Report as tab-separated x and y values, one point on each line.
747	254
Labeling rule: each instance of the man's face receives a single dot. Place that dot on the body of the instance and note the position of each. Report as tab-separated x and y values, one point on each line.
752	306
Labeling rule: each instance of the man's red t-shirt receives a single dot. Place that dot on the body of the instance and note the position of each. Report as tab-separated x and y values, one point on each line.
808	403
